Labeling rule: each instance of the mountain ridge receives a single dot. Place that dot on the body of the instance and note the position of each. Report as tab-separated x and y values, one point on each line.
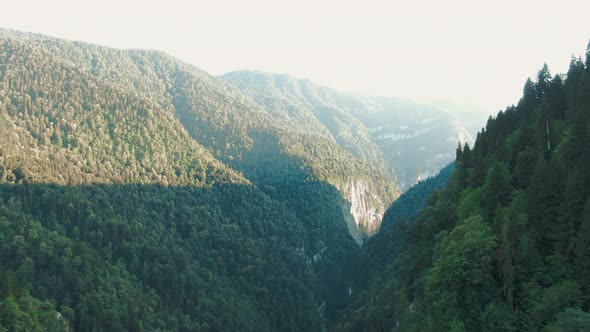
220	118
388	133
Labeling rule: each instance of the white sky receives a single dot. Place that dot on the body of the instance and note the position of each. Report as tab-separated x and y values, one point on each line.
478	52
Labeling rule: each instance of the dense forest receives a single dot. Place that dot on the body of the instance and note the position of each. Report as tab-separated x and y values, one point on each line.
139	193
505	246
136	257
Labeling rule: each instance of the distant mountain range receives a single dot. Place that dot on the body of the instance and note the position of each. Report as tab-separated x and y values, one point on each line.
409	140
473	118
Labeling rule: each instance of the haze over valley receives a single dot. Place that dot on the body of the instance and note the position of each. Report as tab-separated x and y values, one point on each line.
309	167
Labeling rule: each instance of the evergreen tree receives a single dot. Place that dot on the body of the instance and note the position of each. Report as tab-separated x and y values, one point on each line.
460	282
515	256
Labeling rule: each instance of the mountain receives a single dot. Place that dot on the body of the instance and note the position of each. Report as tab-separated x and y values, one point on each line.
307	106
409	140
230	125
60	124
504	247
140	193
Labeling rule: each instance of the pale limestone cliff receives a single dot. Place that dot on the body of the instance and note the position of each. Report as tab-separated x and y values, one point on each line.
366	208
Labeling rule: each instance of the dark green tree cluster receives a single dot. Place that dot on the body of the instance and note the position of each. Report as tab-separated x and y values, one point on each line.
19	311
505	247
379	252
137	257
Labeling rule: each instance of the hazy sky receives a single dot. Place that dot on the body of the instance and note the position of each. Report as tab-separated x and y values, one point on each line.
478	52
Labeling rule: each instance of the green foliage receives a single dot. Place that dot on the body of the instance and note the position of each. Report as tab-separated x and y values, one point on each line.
554	299
497	317
139	193
570	320
21	312
469	203
505	246
496	190
460	283
60	124
175	258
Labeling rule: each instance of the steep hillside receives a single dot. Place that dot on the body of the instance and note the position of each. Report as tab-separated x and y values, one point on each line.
505	246
410	203
232	126
408	140
373	264
300	103
139	193
63	125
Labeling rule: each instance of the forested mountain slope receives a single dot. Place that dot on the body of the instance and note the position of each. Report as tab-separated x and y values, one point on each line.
408	140
231	125
303	104
140	193
62	125
505	246
410	203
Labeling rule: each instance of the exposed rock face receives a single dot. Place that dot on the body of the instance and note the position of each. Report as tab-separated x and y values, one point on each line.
351	224
365	207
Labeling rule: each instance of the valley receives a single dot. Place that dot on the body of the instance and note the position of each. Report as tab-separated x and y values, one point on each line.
140	193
